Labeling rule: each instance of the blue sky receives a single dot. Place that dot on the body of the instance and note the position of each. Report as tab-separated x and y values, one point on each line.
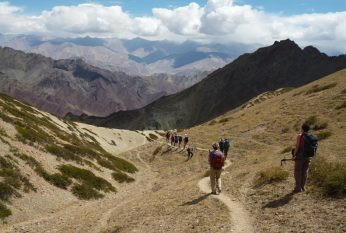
143	7
321	23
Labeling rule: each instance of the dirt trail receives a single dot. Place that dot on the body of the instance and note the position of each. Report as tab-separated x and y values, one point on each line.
240	220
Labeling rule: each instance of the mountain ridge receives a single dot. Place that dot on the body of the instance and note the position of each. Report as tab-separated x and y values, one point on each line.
61	86
283	64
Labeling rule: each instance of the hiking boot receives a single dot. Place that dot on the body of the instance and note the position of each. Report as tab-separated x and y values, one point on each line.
297	190
214	193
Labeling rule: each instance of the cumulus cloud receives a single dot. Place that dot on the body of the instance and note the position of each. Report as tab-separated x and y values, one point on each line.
6	8
182	20
221	21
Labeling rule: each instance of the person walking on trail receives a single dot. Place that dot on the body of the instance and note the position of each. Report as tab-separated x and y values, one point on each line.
305	149
217	161
180	138
172	139
221	143
189	152
176	139
168	135
186	140
225	147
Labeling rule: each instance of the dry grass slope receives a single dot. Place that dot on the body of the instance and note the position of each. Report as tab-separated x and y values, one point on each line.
263	132
30	138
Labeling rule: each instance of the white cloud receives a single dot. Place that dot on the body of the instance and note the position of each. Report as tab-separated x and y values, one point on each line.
6	8
181	20
218	21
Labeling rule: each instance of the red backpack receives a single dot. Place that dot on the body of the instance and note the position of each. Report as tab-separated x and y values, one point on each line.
217	162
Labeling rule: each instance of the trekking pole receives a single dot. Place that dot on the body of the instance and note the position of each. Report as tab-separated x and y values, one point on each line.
284	160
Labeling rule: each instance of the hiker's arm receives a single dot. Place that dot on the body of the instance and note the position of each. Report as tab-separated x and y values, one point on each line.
297	146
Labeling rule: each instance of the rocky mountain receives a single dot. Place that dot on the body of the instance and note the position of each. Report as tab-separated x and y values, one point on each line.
62	86
283	64
134	57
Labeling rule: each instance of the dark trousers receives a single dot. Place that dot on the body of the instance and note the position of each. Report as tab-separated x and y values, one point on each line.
301	169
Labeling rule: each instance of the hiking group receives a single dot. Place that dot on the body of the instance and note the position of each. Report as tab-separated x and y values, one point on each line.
305	149
176	140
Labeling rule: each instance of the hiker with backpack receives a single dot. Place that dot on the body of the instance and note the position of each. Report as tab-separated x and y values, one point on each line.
305	149
216	161
221	143
225	147
186	140
189	152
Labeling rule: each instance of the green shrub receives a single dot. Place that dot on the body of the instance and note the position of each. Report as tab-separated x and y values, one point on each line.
59	180
342	105
270	175
312	120
122	164
122	177
223	120
153	136
320	126
85	192
62	152
12	176
315	123
329	177
285	130
86	177
213	122
4	212
6	191
5	118
54	179
3	132
32	135
157	150
82	151
317	88
323	135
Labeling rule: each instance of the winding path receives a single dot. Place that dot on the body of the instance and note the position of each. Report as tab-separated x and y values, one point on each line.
240	220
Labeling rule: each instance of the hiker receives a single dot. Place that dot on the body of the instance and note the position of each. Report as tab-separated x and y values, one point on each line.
172	139
168	135
221	142
186	140
180	138
189	152
176	139
216	161
305	149
225	147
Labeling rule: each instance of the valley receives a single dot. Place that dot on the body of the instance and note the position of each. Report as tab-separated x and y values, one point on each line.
166	194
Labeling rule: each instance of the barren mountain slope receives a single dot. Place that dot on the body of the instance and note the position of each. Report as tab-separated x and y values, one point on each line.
262	132
62	86
284	64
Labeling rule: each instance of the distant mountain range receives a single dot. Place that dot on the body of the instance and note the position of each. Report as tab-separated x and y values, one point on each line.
284	64
134	57
62	86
